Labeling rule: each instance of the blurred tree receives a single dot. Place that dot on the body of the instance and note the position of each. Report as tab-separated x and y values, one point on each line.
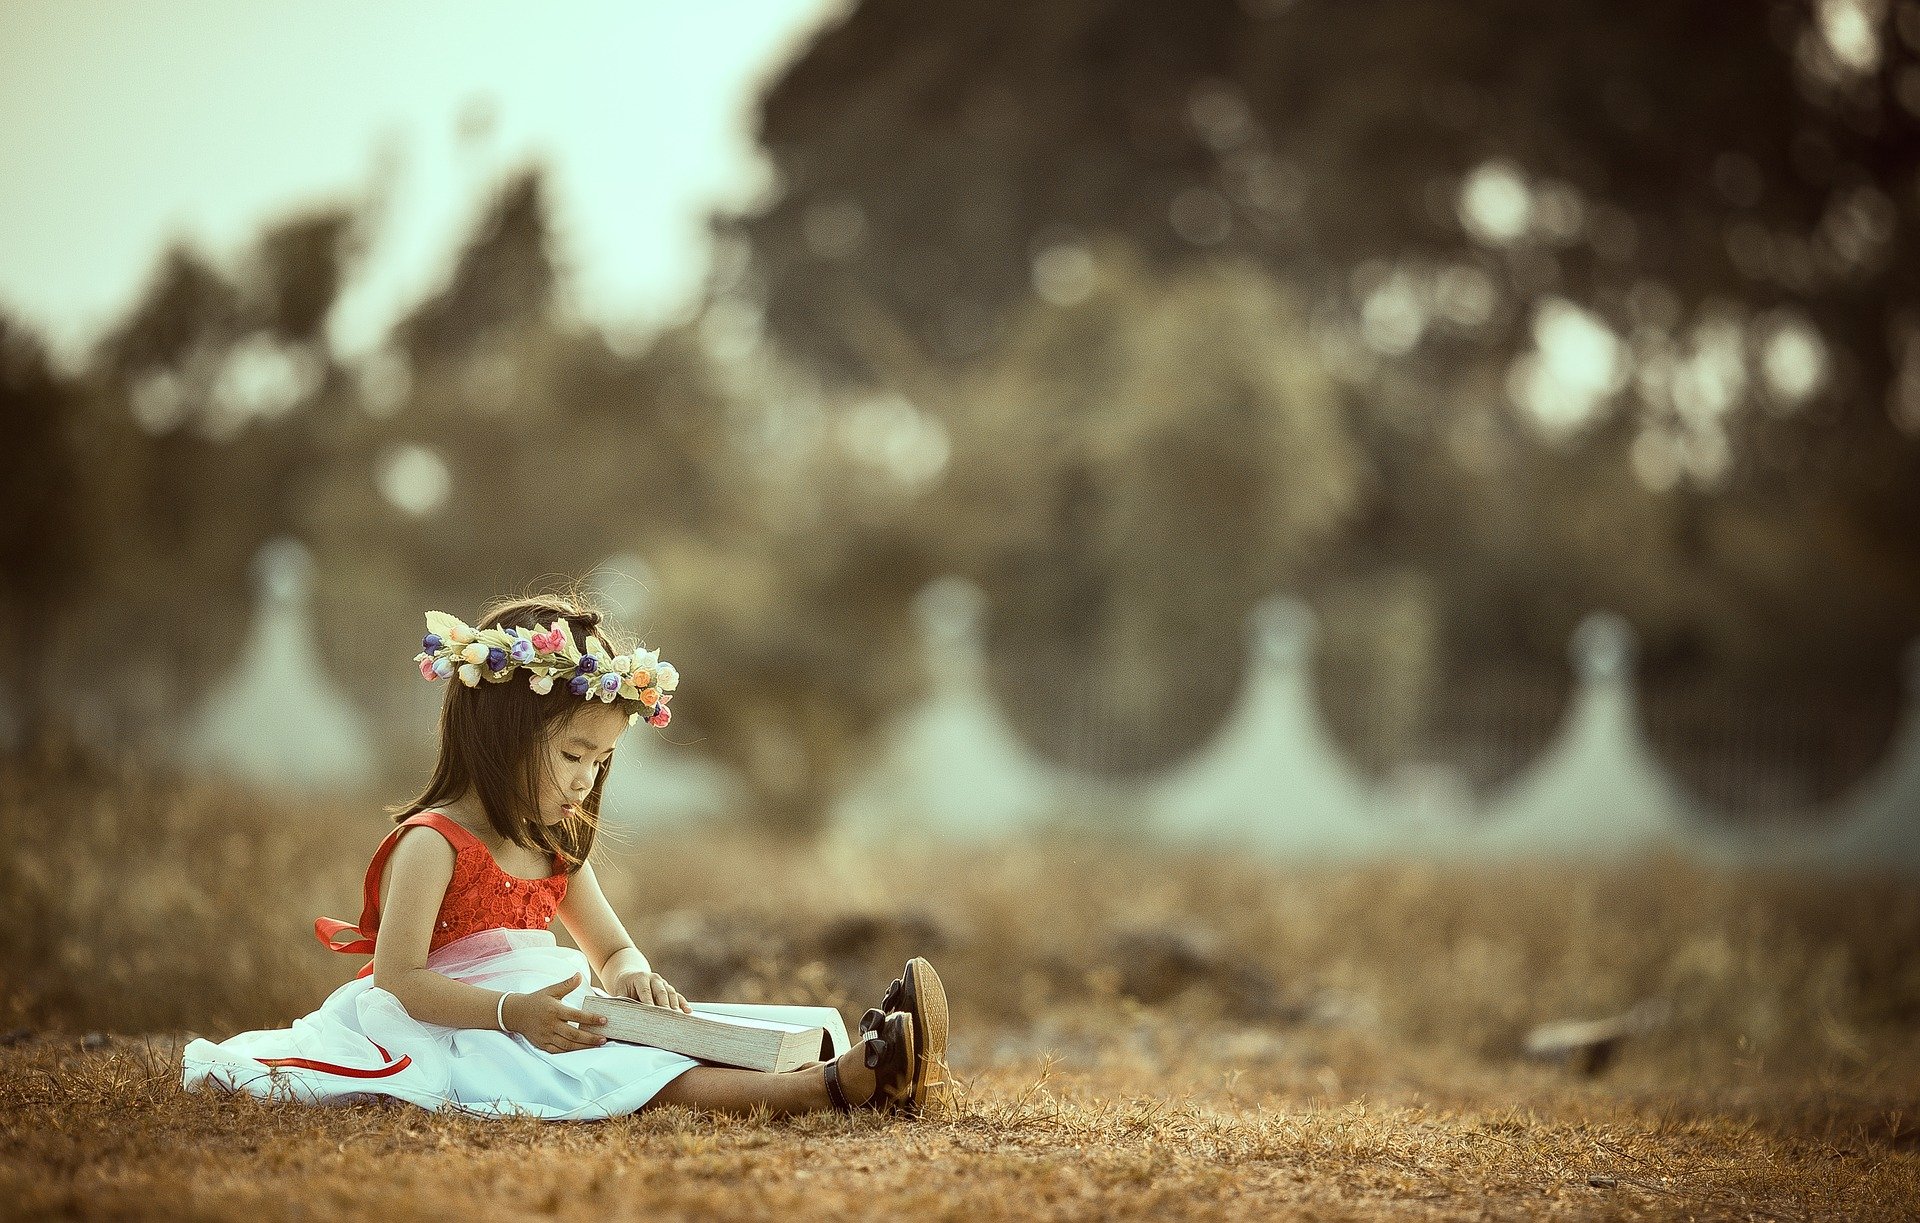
1132	471
40	476
199	448
802	647
304	262
503	277
1627	295
495	447
526	450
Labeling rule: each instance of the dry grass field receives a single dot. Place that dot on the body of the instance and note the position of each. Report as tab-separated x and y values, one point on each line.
1135	1035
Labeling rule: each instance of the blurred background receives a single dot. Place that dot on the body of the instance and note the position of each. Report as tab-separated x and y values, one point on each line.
1404	431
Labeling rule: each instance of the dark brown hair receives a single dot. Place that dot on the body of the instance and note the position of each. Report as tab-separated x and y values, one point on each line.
493	738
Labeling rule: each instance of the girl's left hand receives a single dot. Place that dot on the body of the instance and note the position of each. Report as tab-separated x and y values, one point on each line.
648	987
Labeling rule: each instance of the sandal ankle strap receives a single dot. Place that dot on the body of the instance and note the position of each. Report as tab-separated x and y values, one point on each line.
834	1091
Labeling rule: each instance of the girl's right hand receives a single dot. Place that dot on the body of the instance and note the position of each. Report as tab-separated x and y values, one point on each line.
544	1019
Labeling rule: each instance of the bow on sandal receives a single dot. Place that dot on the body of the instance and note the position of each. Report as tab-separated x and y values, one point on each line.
918	992
889	1053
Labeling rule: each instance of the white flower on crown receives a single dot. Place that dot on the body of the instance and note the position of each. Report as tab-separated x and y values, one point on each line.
548	655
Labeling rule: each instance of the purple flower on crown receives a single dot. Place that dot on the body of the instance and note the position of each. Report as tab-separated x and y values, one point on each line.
496	659
430	643
587	665
610	682
523	650
578	685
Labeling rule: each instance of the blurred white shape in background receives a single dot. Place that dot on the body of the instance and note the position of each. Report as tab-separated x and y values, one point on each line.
1272	778
277	718
262	378
158	402
414	479
655	780
890	434
1064	273
1577	363
953	764
1597	789
623	585
1793	359
1495	205
1848	29
1393	317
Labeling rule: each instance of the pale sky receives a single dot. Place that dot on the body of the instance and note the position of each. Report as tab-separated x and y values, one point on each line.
125	124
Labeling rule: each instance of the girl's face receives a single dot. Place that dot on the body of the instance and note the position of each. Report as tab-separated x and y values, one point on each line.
577	754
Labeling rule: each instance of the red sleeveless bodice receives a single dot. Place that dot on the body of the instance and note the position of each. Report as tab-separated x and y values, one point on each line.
480	896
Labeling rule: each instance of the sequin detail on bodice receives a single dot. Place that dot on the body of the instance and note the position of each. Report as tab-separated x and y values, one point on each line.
480	895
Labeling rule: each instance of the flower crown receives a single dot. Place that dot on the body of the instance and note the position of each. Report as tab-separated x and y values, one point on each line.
547	655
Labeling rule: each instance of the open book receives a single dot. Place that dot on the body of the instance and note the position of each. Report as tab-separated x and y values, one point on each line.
750	1036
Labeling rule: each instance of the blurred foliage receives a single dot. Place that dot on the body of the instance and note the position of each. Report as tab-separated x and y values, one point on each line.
1100	453
1698	180
39	538
214	418
1135	314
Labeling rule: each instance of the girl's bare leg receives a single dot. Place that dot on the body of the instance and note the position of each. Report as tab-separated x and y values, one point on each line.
722	1089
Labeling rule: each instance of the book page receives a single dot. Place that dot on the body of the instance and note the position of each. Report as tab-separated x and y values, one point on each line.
744	1021
726	1013
806	1016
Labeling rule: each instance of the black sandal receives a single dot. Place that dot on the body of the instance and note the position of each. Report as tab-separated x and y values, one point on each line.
918	992
890	1054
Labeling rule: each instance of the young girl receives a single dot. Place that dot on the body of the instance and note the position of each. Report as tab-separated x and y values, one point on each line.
469	1002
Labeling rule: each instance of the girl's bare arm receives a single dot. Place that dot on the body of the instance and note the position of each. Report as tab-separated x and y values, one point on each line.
595	927
624	971
418	872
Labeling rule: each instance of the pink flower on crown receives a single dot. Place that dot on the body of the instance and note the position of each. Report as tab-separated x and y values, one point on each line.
426	669
548	641
660	716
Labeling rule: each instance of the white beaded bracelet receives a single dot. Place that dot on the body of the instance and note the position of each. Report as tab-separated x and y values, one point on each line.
500	1013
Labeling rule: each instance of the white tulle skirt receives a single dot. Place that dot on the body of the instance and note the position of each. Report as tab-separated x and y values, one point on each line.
362	1044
